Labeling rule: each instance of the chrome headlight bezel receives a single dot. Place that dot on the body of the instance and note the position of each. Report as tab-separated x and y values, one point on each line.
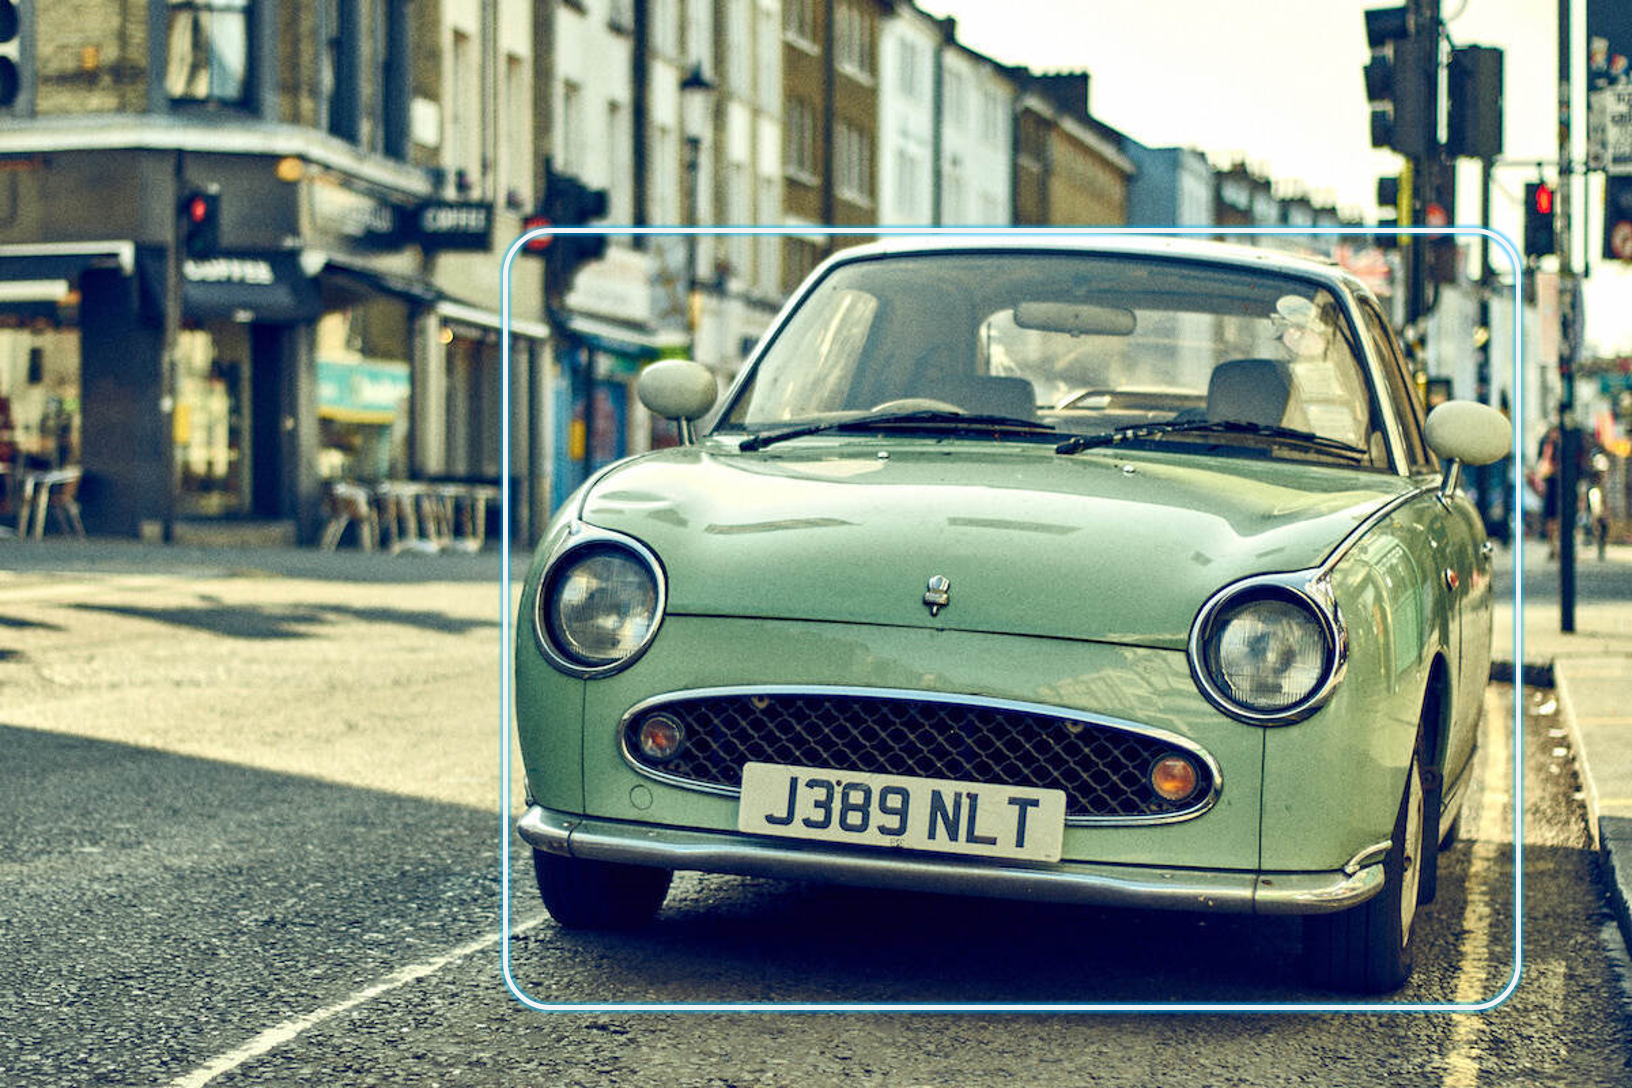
585	542
1308	590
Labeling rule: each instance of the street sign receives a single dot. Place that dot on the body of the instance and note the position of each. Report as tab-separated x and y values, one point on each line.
1609	86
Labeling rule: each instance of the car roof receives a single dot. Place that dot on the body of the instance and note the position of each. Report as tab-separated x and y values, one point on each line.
1101	240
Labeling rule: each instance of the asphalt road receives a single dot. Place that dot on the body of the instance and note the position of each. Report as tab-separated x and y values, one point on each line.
249	835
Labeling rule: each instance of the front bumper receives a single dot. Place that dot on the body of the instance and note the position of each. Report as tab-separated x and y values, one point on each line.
1084	883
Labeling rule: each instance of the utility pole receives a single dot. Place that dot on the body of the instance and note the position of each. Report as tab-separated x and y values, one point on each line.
1569	451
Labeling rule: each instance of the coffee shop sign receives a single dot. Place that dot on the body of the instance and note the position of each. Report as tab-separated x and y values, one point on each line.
229	270
450	225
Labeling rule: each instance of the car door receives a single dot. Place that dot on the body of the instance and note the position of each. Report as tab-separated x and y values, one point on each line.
1460	570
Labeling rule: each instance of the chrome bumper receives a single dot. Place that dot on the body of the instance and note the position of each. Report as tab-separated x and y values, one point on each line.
1066	882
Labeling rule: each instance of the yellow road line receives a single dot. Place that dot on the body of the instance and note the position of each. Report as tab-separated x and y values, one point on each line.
1473	976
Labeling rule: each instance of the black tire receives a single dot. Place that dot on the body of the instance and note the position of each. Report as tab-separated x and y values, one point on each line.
1369	948
1433	795
582	894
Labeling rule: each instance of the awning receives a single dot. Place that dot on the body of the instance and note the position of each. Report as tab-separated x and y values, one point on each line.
373	280
268	288
35	279
618	339
460	313
63	260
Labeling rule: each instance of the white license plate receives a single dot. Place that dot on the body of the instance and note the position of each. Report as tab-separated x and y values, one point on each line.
894	810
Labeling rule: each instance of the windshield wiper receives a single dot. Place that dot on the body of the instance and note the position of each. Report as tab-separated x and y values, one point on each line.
1135	432
931	417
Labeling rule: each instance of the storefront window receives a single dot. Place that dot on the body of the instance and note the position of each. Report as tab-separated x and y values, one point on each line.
39	404
363	388
208	50
212	410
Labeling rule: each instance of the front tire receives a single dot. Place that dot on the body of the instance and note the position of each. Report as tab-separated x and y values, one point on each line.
1369	948
584	894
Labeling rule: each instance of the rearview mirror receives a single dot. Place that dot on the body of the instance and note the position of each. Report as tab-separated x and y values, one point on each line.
1076	318
1470	432
1465	431
677	389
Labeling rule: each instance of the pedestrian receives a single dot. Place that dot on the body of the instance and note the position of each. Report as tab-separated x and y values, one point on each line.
1546	483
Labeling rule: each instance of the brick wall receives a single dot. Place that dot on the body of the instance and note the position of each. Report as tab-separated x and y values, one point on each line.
91	57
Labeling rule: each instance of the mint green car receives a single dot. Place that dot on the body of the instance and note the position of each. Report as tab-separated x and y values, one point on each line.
1106	572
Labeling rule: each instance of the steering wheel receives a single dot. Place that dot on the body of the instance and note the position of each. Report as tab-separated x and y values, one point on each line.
917	404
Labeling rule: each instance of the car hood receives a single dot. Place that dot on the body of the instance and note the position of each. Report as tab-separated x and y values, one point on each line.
1111	546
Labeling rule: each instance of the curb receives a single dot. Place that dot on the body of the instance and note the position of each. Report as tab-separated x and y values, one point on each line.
1611	836
1616	833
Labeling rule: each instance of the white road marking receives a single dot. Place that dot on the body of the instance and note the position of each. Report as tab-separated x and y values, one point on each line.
1491	841
289	1029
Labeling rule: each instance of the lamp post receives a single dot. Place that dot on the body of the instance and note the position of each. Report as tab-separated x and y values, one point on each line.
696	107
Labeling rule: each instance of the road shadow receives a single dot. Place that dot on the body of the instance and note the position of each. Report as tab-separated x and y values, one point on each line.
267	622
194	902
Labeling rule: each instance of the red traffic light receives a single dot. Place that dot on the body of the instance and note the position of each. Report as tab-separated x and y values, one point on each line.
198	209
542	242
1543	198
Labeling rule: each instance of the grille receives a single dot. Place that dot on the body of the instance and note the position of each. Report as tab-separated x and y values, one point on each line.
1101	768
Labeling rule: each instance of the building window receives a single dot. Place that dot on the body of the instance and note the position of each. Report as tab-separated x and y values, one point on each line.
802	255
952	211
769	46
518	115
800	139
208	57
770	245
570	153
464	124
991	117
910	185
739	61
666	174
957	100
909	61
853	163
739	208
853	39
665	28
799	21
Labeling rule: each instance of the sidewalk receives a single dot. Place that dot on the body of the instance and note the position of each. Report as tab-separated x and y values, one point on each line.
1591	670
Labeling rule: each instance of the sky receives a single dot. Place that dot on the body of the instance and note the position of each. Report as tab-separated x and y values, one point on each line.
1279	83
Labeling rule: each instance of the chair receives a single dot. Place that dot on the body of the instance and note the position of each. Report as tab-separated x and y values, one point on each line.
1250	391
348	503
56	491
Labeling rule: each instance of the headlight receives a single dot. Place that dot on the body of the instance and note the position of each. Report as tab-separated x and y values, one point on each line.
1267	651
599	605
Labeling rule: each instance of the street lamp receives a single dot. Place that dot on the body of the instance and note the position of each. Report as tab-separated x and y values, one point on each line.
696	107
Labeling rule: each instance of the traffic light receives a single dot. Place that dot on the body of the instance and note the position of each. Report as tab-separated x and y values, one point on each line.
1538	219
568	202
1402	81
11	58
1388	200
1473	122
201	222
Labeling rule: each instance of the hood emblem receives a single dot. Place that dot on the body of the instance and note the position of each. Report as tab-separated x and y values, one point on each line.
939	593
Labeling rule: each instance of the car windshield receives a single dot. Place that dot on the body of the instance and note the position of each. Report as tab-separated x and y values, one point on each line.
1143	348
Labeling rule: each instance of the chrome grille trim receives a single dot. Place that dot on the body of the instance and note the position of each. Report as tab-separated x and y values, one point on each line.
1196	807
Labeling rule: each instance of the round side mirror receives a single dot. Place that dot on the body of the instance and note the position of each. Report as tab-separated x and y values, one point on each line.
1470	432
677	389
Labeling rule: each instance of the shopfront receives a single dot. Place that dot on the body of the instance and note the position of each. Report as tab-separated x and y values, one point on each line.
41	411
363	344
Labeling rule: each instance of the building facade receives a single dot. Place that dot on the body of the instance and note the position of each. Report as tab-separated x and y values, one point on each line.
244	244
